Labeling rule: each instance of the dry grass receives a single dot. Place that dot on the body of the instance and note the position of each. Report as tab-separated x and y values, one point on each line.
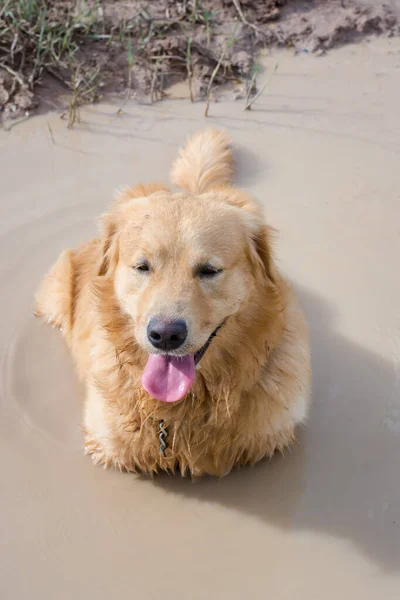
93	45
38	36
65	38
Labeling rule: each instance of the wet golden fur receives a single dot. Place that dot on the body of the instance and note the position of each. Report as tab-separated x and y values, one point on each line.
252	388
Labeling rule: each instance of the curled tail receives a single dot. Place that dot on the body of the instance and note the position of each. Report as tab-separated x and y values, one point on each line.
204	163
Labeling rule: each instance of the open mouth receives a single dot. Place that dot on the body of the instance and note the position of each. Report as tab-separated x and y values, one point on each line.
168	378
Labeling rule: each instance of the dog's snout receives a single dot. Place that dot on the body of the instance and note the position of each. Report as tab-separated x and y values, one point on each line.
166	335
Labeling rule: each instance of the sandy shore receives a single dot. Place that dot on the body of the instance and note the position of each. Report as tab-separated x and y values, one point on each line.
321	149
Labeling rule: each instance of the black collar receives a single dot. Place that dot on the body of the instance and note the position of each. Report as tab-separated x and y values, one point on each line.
200	353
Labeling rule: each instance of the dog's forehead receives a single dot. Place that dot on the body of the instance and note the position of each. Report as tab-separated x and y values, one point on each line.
182	221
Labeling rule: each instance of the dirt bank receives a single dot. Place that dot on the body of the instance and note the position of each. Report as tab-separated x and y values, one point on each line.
85	49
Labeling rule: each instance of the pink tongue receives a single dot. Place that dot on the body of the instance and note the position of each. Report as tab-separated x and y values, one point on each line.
168	378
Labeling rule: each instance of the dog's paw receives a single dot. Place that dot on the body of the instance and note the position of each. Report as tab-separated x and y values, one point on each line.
100	457
97	453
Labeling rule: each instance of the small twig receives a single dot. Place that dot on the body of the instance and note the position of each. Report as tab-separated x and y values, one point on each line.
249	103
154	81
189	68
228	44
129	87
121	108
13	73
213	75
251	85
36	64
167	57
51	132
54	74
245	21
22	63
73	114
207	15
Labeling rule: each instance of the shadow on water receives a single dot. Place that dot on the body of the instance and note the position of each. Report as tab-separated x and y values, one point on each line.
341	479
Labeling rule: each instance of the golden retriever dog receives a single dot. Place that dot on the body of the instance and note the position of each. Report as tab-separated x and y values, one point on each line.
192	346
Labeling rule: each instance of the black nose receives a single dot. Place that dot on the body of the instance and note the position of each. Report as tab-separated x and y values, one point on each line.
166	335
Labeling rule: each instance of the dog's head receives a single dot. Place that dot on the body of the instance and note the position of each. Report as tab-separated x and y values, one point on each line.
181	266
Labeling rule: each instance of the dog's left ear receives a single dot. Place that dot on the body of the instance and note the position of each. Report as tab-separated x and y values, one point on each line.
260	245
260	235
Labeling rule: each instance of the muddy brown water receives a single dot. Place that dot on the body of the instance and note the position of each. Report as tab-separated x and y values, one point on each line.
322	151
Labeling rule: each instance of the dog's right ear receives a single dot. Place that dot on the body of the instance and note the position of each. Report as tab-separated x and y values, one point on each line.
111	221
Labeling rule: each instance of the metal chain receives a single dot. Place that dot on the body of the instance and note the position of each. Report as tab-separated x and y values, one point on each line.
163	434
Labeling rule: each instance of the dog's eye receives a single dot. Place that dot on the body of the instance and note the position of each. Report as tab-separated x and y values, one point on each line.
207	271
142	267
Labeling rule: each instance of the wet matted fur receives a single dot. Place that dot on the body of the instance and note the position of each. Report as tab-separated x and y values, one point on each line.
252	386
